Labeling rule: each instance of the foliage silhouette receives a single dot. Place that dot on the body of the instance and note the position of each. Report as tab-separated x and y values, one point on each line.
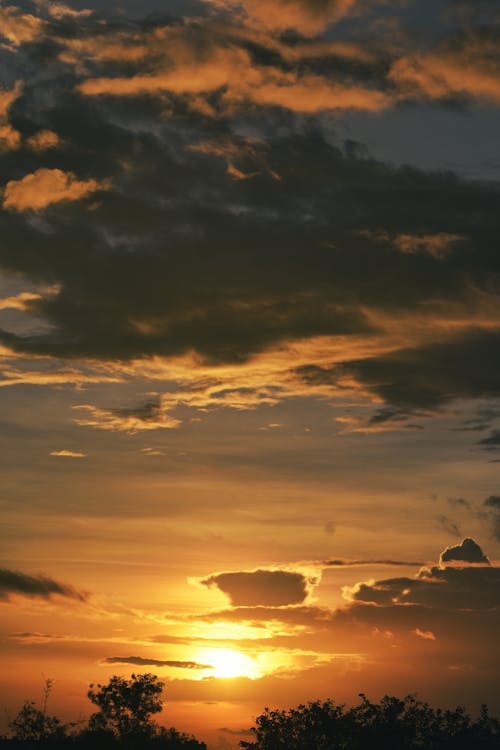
126	706
392	724
33	724
123	721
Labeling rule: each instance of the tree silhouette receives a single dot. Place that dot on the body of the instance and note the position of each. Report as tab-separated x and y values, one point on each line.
392	724
126	706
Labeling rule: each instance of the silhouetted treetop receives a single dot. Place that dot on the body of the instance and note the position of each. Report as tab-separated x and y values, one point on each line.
392	724
126	706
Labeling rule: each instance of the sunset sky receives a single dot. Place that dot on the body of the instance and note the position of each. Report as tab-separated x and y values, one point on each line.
249	353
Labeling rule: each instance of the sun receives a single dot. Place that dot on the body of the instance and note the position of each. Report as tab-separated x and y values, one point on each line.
227	663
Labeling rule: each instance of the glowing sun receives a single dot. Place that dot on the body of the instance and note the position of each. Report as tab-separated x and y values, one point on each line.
228	663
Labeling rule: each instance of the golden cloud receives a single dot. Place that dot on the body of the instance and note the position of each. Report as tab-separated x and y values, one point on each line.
42	188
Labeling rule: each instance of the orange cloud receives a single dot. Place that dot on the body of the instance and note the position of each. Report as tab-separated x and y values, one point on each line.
307	16
19	302
19	27
36	191
10	139
68	454
232	70
149	417
44	140
314	93
439	246
438	76
7	98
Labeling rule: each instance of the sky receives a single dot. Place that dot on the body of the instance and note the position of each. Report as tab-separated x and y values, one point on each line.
249	353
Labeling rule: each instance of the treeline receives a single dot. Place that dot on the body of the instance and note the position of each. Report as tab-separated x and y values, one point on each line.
392	724
124	721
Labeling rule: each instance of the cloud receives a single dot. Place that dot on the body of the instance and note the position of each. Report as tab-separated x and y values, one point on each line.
16	583
431	375
231	70
223	167
10	139
466	70
139	661
7	98
148	416
44	140
389	563
42	188
466	552
307	16
491	441
464	579
68	454
492	505
427	635
17	27
254	588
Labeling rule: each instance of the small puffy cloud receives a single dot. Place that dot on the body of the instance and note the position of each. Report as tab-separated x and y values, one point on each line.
466	552
438	245
68	454
43	140
10	138
271	588
139	661
42	188
426	635
14	582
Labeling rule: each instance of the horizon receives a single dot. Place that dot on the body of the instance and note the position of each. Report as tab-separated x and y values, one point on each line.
249	353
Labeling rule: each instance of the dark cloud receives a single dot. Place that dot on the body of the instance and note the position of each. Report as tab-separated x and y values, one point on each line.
275	588
139	661
389	563
448	588
491	441
492	505
459	502
16	583
224	232
467	552
432	375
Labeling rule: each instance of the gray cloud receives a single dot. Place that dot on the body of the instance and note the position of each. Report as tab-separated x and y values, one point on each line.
274	588
140	661
17	583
